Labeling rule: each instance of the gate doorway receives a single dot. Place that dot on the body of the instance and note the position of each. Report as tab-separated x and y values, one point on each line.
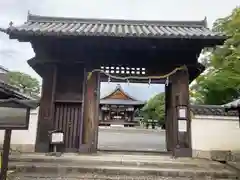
123	125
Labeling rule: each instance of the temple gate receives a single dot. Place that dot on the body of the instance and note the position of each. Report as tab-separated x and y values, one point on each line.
70	52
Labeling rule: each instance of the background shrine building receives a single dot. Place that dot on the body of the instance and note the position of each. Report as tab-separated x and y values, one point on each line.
119	108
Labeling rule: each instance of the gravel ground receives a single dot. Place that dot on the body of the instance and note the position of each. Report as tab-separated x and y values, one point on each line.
20	176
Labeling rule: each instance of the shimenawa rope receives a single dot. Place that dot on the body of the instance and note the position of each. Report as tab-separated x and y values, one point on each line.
136	77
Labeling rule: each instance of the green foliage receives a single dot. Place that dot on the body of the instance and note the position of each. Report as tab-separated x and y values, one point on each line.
24	82
221	83
155	108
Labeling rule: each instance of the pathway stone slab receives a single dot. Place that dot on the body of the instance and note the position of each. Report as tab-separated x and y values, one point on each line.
120	165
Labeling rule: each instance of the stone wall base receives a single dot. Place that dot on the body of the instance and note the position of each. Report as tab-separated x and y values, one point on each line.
217	155
28	148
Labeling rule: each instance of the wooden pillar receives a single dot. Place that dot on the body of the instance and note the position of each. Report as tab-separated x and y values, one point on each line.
180	97
90	114
132	116
109	114
45	117
239	113
168	117
102	114
5	154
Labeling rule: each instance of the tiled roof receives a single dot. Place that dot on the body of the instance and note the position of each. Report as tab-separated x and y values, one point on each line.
233	105
211	110
131	101
118	88
120	102
12	91
5	70
51	26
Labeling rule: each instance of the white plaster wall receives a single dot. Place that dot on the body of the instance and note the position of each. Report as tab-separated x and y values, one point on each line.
215	133
24	137
208	133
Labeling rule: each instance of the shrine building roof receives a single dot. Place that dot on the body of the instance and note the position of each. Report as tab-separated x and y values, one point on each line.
52	26
120	97
121	102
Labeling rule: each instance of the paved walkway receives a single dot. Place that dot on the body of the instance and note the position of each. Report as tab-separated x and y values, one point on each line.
131	139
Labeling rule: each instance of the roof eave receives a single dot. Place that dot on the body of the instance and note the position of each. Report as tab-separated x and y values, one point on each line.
32	104
124	104
4	30
234	105
196	71
11	91
27	35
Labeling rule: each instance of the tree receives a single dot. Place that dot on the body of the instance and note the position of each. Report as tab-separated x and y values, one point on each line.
27	84
155	108
221	82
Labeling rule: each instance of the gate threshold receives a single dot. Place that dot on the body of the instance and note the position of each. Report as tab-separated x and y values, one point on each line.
136	152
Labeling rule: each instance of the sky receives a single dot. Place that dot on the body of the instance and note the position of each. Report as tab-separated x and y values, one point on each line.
13	54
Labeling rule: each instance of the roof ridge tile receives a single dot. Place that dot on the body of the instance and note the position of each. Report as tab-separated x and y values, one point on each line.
37	18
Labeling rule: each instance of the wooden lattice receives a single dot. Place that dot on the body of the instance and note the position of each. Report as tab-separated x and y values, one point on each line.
124	70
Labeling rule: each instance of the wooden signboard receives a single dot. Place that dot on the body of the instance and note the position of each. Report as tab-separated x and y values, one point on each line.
14	114
14	118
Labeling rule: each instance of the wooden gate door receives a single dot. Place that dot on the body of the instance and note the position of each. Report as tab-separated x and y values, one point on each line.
68	118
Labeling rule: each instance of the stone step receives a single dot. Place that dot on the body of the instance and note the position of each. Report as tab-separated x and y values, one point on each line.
124	162
105	164
127	171
93	176
116	160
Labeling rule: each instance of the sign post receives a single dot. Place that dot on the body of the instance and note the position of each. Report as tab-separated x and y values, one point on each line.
5	154
56	139
14	115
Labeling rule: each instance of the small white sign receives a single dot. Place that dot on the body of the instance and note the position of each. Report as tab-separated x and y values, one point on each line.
57	137
182	125
182	113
